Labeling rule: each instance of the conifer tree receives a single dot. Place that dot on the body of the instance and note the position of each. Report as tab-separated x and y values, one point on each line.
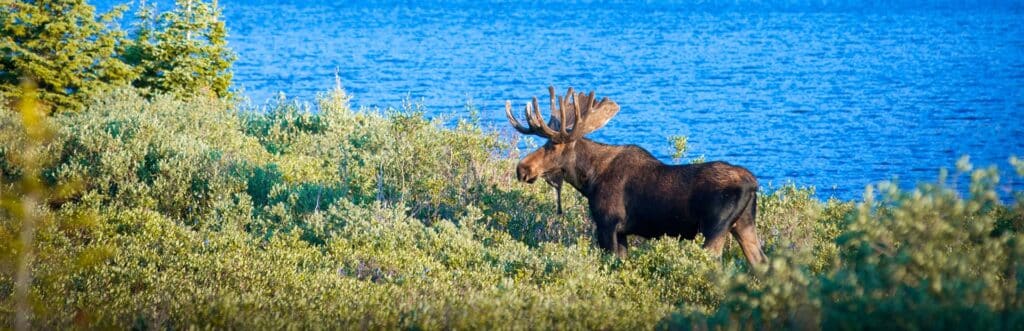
72	53
183	50
62	46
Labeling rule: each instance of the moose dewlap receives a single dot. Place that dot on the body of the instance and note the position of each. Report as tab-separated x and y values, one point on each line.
628	190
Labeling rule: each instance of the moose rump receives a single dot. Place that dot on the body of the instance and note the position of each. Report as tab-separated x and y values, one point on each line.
720	199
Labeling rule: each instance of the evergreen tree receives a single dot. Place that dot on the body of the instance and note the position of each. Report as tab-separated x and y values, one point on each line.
64	47
182	51
72	53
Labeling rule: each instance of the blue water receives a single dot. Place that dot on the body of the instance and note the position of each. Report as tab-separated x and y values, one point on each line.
833	95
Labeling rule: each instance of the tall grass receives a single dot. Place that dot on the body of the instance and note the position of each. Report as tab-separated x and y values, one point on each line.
183	213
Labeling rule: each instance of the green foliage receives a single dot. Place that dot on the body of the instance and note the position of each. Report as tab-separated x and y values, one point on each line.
182	212
182	51
792	222
21	194
73	54
923	259
931	252
63	47
680	147
130	152
679	143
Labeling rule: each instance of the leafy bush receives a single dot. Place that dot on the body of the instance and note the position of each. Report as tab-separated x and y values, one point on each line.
184	212
923	259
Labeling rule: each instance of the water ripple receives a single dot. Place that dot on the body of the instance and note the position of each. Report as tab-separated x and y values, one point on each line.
836	98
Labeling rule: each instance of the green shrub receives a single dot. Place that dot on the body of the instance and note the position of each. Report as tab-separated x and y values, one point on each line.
172	212
160	154
929	259
919	259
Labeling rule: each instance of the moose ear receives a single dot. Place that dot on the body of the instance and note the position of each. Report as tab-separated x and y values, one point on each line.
598	116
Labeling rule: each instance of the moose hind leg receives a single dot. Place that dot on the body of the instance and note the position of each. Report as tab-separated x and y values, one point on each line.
715	230
714	243
718	213
745	232
750	244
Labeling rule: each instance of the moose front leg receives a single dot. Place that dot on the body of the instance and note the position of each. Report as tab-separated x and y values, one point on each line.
611	241
623	245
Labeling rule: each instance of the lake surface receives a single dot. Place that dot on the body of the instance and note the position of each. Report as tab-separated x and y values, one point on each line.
834	96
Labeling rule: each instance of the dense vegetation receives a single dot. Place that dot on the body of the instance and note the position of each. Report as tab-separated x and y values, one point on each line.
170	212
154	208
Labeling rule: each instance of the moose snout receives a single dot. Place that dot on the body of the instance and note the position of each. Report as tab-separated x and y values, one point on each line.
525	174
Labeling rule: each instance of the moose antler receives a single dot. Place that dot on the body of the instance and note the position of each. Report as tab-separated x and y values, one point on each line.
535	120
587	116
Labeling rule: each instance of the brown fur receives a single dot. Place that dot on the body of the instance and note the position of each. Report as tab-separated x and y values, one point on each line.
630	192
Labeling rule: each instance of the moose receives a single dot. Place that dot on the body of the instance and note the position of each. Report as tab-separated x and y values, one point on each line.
628	190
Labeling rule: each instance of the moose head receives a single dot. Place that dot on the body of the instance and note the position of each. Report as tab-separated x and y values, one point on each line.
630	192
575	116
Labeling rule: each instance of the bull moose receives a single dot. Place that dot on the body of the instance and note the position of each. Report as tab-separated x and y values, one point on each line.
628	190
